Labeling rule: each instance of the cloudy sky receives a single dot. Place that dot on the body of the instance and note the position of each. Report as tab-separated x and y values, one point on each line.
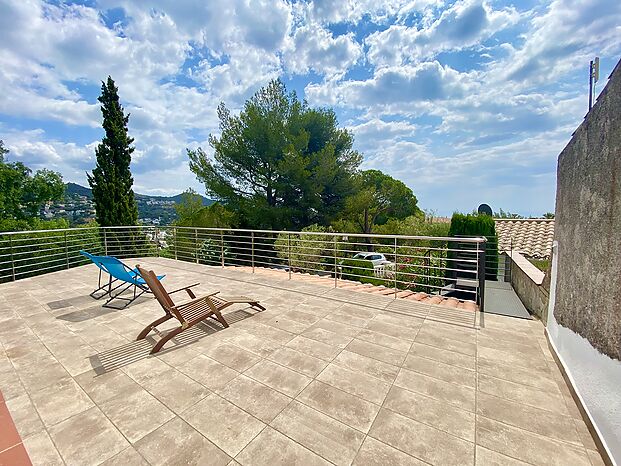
466	101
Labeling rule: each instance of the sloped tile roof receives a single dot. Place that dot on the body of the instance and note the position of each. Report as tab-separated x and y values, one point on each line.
532	237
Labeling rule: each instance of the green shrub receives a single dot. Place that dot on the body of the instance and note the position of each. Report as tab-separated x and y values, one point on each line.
307	251
360	270
478	225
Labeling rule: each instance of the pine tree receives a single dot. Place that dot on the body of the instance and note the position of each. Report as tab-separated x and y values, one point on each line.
111	180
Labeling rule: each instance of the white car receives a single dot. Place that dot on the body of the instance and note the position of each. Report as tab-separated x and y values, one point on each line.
375	257
382	267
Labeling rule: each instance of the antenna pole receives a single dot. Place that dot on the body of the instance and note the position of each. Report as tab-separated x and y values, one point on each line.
590	85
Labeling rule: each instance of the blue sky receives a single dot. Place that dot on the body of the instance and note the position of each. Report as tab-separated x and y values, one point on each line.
465	101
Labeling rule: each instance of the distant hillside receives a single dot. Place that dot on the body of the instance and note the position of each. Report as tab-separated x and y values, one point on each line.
151	209
73	188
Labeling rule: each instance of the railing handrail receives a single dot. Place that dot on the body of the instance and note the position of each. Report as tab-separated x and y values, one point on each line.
477	239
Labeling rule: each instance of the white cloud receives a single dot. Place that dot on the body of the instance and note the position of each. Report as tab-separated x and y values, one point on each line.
395	89
314	48
566	36
463	25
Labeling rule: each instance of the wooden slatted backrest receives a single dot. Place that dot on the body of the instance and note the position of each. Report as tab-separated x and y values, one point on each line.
156	287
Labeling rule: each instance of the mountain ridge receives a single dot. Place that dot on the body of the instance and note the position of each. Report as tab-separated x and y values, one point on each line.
76	189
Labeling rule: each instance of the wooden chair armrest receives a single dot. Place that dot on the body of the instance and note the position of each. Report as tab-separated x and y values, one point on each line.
187	288
194	301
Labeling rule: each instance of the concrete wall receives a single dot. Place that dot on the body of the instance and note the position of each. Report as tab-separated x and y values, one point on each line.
529	284
584	322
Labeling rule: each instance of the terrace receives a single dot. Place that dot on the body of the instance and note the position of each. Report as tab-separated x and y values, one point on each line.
325	375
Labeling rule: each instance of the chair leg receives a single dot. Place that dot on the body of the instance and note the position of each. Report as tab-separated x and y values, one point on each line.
158	346
142	335
221	319
257	305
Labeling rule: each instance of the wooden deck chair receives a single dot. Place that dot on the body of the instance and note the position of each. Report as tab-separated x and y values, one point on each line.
188	314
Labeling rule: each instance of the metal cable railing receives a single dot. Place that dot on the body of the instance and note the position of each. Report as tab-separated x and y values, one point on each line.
447	266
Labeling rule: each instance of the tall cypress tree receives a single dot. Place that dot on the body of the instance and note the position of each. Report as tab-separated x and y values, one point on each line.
111	180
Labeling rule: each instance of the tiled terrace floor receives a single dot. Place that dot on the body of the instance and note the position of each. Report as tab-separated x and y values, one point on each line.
323	376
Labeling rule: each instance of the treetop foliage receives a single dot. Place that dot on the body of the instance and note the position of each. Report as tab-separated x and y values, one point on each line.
23	193
279	164
111	180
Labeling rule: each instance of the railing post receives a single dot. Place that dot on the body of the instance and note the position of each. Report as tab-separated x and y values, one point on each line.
395	272
157	241
335	270
66	250
175	241
481	275
289	253
12	262
222	248
252	252
196	244
105	241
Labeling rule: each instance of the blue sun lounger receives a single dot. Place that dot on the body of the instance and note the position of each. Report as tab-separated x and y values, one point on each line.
118	272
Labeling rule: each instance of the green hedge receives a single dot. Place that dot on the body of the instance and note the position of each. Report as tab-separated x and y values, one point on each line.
360	270
479	225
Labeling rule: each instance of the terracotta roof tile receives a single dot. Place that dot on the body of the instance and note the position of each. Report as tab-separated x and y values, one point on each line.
532	237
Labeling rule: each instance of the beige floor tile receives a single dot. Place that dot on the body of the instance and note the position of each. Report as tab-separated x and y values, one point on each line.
400	319
271	333
146	368
436	338
227	426
175	390
445	356
59	401
208	372
458	395
301	317
288	325
551	401
255	398
25	416
271	448
355	383
349	409
350	320
514	358
85	436
177	443
319	433
361	312
366	365
376	453
136	413
128	457
299	362
384	340
526	446
278	377
381	324
595	457
102	387
523	376
259	346
440	370
232	356
381	353
438	414
328	323
421	441
42	451
487	457
327	336
585	435
314	348
538	421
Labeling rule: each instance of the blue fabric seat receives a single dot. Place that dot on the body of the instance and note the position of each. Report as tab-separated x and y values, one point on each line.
117	272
